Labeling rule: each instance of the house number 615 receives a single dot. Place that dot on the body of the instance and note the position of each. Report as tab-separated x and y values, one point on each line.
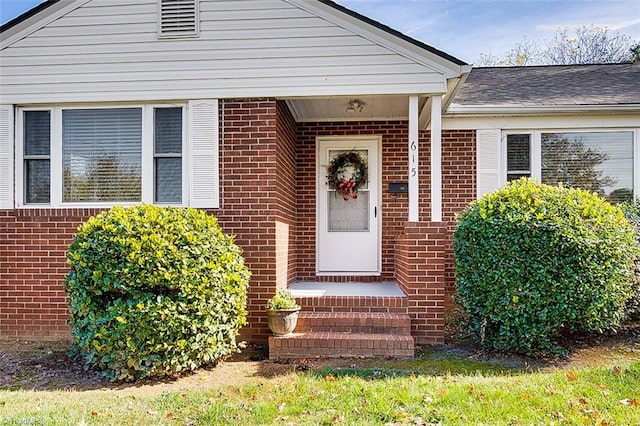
414	148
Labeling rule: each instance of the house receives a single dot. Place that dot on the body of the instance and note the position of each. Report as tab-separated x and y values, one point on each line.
244	108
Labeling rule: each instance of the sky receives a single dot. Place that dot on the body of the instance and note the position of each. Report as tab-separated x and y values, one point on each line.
468	29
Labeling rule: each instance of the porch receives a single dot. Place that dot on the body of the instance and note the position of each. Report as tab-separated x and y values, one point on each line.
277	220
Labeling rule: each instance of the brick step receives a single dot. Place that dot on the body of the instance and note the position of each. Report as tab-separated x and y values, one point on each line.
354	322
336	345
375	304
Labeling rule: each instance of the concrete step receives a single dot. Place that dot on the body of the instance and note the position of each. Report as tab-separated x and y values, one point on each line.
354	322
350	297
336	345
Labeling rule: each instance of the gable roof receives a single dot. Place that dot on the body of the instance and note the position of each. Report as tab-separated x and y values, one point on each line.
393	32
91	50
565	86
48	3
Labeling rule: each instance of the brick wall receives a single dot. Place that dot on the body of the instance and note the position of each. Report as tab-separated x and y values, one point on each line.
422	251
287	197
250	205
458	190
33	244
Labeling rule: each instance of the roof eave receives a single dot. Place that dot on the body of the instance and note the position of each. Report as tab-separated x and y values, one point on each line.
376	32
26	15
393	32
34	19
519	110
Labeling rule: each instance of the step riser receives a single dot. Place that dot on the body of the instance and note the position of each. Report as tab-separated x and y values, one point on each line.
323	346
388	324
353	330
363	304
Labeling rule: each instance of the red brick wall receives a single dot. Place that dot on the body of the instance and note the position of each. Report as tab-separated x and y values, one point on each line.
33	244
249	197
422	254
287	197
458	190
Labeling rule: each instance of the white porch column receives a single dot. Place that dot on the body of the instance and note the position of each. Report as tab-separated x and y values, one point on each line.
414	200
436	159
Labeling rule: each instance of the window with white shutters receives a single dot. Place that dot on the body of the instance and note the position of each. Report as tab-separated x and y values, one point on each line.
105	155
178	18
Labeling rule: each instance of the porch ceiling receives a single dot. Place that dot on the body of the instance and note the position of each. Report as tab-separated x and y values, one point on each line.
377	108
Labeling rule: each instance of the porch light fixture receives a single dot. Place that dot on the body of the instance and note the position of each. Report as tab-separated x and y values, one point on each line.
355	105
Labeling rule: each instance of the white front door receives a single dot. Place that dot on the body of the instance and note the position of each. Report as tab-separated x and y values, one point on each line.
348	224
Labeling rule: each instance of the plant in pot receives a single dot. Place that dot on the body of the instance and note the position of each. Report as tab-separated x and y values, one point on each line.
282	312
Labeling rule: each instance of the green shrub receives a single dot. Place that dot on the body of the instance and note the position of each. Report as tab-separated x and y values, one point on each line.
534	261
631	211
154	292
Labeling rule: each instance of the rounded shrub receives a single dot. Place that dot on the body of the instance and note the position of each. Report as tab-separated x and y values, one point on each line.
631	211
533	261
154	291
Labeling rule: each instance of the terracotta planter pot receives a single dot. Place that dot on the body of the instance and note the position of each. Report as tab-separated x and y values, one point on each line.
282	321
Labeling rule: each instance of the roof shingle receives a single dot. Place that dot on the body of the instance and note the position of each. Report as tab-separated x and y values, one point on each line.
598	84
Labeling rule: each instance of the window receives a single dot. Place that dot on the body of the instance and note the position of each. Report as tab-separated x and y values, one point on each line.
168	155
37	156
518	156
178	18
103	156
600	162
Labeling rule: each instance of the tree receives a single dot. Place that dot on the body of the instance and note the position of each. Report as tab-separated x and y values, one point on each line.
635	51
588	45
523	53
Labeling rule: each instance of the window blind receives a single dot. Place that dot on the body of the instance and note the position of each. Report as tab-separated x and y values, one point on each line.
102	154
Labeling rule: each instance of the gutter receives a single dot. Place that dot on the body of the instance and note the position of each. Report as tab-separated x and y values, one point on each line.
456	110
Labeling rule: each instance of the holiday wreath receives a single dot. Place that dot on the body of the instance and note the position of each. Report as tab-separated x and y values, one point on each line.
337	174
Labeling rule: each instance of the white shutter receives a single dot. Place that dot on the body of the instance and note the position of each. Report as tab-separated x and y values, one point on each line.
203	166
6	157
488	158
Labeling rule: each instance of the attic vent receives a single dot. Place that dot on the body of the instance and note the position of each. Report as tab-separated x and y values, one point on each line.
178	18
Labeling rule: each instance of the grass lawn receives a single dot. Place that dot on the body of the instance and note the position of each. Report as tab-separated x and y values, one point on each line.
440	387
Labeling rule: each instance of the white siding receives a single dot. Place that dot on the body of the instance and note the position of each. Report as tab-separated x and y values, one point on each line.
6	156
488	160
107	51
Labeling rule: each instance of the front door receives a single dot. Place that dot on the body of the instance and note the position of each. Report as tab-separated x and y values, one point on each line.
348	215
